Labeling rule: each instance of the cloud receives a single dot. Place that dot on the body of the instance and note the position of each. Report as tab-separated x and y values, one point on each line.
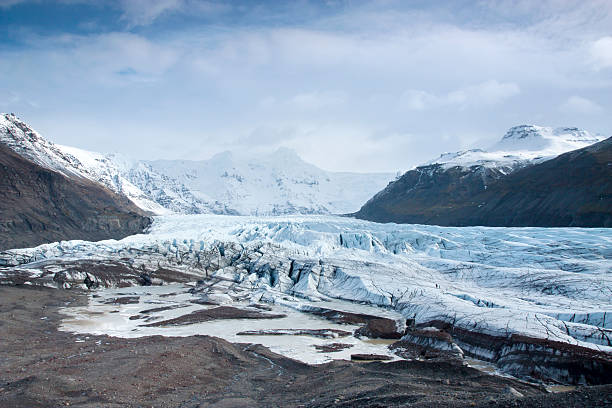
10	3
601	53
145	12
318	100
11	100
335	87
578	104
484	94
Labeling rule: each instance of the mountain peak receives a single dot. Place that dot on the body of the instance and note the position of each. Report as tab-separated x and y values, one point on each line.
548	140
26	142
523	132
519	146
285	151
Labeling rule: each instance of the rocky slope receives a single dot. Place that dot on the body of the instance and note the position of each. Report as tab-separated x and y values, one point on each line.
228	183
39	205
519	184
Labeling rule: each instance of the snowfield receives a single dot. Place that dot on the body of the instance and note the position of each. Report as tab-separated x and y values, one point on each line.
553	284
521	146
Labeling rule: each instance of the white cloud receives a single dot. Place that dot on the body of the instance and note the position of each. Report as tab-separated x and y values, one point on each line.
334	89
145	12
484	94
10	3
318	100
578	104
601	53
414	99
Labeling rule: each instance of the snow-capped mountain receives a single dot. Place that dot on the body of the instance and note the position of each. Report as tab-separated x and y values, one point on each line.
475	187
521	145
70	162
272	184
45	195
138	181
277	183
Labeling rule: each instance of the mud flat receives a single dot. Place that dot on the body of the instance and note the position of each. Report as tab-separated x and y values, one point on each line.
41	366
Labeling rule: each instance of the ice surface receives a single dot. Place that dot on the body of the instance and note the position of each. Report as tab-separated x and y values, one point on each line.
100	318
553	283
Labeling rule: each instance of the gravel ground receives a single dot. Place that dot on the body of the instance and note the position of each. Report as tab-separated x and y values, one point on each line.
43	367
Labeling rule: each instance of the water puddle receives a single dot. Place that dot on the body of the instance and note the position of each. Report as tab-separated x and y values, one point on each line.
172	301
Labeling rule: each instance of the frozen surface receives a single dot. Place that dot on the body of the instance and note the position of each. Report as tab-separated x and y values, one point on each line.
521	146
541	282
101	318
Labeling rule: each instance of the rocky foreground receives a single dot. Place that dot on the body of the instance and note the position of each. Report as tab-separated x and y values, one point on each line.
44	367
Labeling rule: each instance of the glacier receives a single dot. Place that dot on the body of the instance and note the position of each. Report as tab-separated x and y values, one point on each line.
552	284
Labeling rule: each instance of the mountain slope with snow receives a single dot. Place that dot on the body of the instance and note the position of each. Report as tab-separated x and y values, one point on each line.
520	146
272	184
458	189
71	162
43	198
277	183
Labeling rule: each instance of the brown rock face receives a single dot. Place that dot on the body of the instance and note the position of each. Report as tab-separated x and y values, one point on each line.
572	190
379	329
38	205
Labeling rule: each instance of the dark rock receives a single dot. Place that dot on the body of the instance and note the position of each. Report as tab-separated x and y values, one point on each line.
379	328
332	348
217	313
370	357
91	284
571	190
204	301
145	279
116	273
261	307
161	309
342	317
125	300
429	344
534	358
38	205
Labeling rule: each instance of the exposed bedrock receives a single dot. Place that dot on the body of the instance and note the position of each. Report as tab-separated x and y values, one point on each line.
38	205
535	358
91	274
428	343
380	328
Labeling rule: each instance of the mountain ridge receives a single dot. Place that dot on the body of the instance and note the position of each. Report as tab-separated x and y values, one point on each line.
572	189
227	183
39	205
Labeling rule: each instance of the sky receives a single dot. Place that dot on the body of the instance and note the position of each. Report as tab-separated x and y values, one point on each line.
350	85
